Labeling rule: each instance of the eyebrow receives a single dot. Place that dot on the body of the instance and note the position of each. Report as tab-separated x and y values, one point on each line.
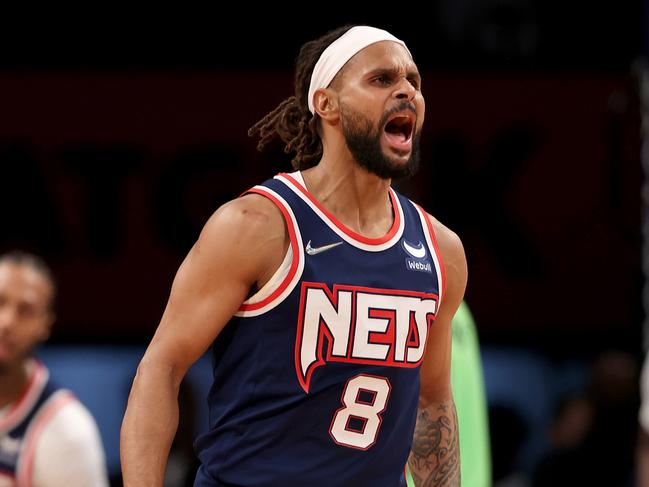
394	72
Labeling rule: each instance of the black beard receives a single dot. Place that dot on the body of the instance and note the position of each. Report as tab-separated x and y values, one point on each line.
364	142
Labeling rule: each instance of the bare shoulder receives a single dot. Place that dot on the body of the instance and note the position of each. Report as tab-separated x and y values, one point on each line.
239	248
250	215
450	244
246	237
454	261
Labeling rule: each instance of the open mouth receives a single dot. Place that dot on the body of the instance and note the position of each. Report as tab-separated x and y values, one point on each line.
399	128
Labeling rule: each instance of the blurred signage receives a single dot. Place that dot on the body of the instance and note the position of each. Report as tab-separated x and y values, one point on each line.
111	177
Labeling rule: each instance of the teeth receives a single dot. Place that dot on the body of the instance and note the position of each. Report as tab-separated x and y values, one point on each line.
400	121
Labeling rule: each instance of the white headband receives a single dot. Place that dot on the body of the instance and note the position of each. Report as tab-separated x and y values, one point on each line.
342	50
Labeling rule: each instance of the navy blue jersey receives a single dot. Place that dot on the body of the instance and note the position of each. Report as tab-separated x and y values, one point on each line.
22	422
316	378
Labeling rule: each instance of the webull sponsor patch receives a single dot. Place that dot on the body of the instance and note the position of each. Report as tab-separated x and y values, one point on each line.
419	265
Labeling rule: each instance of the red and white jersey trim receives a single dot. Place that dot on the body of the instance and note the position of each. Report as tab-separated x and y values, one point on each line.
25	467
296	183
275	281
271	296
431	240
38	376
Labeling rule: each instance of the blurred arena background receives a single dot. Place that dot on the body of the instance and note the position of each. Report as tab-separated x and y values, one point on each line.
122	131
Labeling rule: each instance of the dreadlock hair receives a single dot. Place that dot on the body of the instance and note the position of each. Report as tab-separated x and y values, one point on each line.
292	121
19	257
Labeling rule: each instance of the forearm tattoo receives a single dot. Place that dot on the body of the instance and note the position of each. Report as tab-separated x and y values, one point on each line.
435	455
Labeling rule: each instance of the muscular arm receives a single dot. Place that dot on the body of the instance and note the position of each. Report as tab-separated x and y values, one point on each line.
435	454
242	244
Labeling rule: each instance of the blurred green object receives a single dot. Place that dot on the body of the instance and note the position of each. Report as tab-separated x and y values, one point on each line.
470	401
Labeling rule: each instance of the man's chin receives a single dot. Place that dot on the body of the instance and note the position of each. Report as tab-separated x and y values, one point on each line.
399	164
10	360
399	168
6	358
5	366
385	160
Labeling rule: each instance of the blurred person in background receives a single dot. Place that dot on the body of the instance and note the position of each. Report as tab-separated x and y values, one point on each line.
47	437
642	451
567	459
613	390
593	431
510	431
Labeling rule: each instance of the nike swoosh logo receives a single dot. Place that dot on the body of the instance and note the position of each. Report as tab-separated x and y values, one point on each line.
316	250
418	252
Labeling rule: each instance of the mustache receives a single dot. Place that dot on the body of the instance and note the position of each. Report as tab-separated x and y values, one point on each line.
401	107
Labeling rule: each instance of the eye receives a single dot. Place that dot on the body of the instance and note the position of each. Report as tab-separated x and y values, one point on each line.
414	81
26	311
382	79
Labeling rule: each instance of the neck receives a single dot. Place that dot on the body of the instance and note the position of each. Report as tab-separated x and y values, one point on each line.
359	199
13	381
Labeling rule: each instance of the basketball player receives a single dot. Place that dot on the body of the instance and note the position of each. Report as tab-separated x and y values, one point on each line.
330	297
47	437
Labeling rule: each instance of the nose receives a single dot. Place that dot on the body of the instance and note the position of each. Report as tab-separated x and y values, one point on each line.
405	90
7	318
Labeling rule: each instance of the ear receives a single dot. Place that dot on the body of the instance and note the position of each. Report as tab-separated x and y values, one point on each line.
325	104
